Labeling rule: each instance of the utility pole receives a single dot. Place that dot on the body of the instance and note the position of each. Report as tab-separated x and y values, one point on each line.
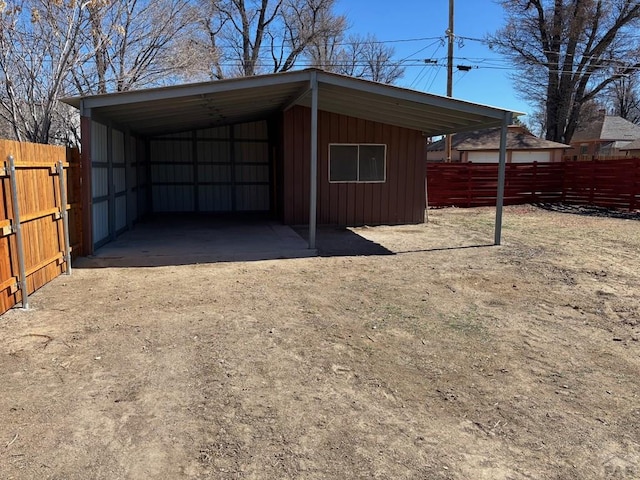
451	39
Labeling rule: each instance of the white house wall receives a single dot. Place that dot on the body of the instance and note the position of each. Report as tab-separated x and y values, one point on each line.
531	156
512	156
483	157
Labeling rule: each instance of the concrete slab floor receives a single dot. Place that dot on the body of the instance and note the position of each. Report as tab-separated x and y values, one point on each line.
180	241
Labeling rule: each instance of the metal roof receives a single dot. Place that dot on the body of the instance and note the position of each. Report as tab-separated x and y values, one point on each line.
185	107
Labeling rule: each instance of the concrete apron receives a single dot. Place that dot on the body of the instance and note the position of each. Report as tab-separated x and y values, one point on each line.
189	242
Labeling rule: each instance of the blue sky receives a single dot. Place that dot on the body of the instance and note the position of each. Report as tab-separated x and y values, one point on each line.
488	82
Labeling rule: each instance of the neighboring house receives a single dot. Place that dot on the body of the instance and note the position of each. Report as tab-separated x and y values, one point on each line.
606	137
633	149
300	147
483	146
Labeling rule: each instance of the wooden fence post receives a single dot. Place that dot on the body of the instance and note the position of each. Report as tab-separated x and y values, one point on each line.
592	181
17	228
635	185
469	182
534	182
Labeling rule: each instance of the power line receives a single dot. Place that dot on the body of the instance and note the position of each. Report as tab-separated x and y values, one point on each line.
426	62
266	46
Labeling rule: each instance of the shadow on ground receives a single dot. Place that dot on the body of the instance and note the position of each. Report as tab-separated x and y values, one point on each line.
172	241
590	210
342	242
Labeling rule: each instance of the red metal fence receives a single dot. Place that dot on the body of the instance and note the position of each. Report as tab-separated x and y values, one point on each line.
606	183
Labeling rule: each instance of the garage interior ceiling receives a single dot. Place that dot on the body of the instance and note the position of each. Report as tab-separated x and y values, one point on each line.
178	108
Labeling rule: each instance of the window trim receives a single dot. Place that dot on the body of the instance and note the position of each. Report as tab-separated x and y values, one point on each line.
384	179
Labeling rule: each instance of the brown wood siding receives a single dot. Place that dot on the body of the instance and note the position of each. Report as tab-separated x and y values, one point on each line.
401	199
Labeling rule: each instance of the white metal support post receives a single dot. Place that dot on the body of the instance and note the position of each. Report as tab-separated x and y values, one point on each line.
506	121
313	186
65	216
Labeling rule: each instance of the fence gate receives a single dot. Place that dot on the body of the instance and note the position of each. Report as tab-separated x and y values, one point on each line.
39	220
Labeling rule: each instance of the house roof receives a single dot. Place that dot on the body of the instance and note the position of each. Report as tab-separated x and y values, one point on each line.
199	105
608	128
635	145
518	138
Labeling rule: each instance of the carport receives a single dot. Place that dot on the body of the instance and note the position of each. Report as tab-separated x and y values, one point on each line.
265	146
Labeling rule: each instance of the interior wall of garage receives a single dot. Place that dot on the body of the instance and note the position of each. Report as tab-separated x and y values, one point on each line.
215	170
400	199
226	169
113	182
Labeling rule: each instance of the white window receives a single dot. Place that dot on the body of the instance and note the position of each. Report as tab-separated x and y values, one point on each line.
364	163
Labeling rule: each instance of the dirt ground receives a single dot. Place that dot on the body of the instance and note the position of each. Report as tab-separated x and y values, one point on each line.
448	359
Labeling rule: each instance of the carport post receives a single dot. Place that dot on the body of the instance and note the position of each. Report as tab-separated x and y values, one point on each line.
313	190
506	121
87	195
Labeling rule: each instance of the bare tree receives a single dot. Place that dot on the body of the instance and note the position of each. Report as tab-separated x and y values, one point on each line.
568	52
622	95
130	44
304	23
199	46
249	37
362	57
37	49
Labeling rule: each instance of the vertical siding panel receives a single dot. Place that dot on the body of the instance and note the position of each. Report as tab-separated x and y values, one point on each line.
350	132
178	183
297	166
358	206
299	131
334	131
295	152
369	188
420	178
343	188
392	155
99	182
305	157
300	160
380	203
287	174
324	188
405	183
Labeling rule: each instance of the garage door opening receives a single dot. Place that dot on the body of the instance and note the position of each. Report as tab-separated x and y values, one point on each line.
215	174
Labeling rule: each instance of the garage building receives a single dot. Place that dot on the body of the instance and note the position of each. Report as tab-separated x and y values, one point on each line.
302	147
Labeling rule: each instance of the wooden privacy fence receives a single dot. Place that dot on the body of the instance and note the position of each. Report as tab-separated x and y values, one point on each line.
606	183
40	221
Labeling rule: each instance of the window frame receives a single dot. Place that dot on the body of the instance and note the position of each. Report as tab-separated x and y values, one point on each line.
357	180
